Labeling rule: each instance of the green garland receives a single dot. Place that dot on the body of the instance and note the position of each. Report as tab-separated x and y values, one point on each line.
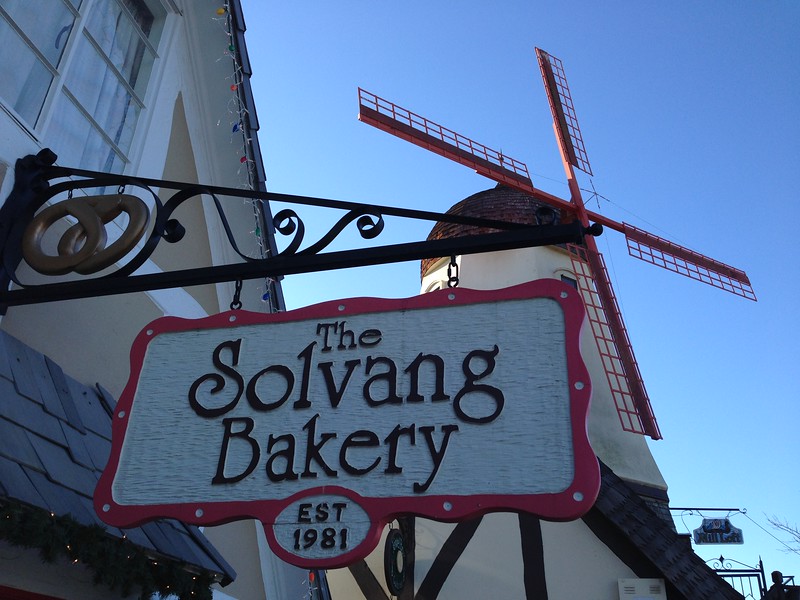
116	563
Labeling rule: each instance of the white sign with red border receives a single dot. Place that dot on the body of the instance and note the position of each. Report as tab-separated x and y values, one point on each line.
327	422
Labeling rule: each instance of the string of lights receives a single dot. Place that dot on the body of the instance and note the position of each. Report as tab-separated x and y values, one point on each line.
239	124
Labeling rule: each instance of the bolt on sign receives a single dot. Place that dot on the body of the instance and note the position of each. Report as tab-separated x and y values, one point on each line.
327	422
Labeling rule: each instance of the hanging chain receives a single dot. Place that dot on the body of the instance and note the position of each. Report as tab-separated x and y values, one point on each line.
452	273
236	304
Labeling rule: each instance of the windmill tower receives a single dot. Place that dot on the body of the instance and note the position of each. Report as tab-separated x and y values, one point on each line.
517	556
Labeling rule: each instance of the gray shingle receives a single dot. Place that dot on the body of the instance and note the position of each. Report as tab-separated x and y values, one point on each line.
51	493
55	439
76	446
18	486
5	367
161	540
60	468
60	500
28	414
41	377
109	402
89	408
24	381
16	445
99	449
176	534
88	505
61	388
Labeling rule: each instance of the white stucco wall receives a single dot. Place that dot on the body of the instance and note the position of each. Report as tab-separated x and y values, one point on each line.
188	103
577	564
625	452
184	132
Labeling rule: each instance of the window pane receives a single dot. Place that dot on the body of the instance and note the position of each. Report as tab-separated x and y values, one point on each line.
24	81
102	95
48	29
78	143
96	110
119	36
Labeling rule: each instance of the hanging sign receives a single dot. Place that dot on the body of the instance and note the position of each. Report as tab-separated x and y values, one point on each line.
327	422
717	531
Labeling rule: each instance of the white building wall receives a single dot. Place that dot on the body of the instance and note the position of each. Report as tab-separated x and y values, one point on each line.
577	564
190	92
184	133
626	453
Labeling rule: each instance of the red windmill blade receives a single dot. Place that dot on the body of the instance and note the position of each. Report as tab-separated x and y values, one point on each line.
619	363
622	371
641	244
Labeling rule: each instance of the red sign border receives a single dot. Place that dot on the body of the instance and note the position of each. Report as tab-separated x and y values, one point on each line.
569	504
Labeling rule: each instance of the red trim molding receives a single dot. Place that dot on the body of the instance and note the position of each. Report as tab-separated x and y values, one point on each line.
7	593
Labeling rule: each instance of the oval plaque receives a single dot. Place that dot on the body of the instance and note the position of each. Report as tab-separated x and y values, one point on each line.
321	527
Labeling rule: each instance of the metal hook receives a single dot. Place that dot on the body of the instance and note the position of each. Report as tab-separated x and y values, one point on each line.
236	303
452	273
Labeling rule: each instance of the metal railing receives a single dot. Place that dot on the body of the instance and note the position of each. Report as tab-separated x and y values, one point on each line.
748	580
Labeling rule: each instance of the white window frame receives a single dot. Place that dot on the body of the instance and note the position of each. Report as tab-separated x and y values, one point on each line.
164	11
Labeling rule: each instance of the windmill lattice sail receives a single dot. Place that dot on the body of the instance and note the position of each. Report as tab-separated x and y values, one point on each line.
669	255
619	363
564	116
632	402
403	123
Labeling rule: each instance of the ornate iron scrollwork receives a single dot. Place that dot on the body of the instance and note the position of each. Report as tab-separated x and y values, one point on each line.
24	221
369	223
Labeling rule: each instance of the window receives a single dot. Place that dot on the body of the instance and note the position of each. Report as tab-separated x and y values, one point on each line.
569	280
432	287
33	42
80	72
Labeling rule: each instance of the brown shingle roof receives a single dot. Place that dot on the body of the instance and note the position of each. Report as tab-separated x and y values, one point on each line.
499	203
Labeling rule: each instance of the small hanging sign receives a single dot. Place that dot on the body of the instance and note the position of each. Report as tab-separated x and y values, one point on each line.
717	531
327	422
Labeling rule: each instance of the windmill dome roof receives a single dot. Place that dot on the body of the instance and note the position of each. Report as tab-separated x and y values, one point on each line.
500	203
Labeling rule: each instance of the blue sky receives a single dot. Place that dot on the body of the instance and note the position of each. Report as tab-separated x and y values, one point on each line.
689	115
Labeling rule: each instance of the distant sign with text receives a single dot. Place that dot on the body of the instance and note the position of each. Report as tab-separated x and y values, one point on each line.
327	422
717	531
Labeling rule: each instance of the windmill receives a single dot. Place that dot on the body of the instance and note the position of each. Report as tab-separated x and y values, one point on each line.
619	363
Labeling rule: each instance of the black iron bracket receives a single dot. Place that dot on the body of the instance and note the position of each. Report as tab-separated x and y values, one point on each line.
39	182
